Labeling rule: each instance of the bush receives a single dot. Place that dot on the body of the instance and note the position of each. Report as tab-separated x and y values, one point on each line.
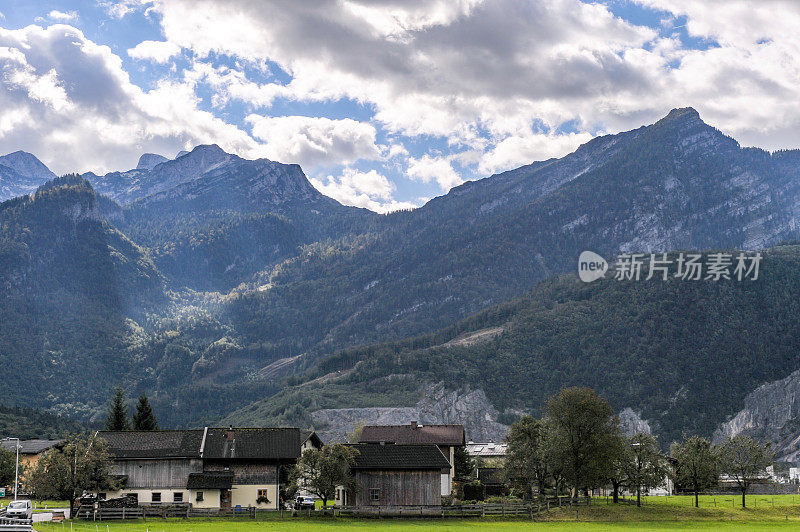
474	490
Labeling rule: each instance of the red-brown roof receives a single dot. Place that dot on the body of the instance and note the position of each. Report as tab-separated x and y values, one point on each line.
414	434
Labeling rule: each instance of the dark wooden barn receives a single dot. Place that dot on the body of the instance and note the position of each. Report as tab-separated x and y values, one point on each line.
398	475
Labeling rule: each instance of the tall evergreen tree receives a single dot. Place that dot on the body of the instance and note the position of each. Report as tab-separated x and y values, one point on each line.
117	418
144	418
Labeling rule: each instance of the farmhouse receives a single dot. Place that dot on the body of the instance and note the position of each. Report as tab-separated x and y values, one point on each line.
309	440
29	450
491	454
446	437
209	468
396	475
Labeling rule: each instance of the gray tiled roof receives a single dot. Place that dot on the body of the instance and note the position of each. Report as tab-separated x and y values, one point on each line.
252	443
30	446
153	443
398	457
407	434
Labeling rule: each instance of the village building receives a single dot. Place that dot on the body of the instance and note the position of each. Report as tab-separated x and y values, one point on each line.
29	450
491	454
208	468
309	440
396	475
445	437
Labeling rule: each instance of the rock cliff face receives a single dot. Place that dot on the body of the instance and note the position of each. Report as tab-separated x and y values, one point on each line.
771	413
632	422
470	408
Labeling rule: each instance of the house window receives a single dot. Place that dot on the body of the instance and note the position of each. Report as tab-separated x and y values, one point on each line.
156	496
375	494
102	496
263	493
338	494
177	496
199	496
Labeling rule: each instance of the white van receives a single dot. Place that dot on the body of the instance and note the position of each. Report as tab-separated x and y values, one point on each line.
20	510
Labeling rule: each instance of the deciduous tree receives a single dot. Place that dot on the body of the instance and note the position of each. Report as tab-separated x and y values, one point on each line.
66	472
583	432
744	460
321	471
645	466
526	462
696	465
8	464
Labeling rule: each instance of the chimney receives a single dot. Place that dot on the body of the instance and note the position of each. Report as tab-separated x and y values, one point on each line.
413	424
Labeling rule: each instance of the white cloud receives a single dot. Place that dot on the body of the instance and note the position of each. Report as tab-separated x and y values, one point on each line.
62	16
118	9
315	141
232	84
516	151
479	72
67	100
441	68
434	170
158	51
369	190
748	82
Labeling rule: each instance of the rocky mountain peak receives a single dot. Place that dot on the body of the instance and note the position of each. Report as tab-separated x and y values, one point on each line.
683	113
27	165
148	161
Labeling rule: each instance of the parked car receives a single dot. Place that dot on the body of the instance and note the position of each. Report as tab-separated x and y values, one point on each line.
20	509
304	503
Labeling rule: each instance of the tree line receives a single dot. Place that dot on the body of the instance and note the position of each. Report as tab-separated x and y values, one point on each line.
579	445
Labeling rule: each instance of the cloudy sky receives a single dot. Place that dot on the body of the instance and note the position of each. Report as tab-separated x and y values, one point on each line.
385	103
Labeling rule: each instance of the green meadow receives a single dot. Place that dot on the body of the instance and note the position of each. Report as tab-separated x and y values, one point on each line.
657	513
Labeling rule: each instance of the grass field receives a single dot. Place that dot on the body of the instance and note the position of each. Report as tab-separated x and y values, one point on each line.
726	501
658	513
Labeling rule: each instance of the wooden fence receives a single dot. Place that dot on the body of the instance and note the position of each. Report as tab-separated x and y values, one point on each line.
526	509
163	512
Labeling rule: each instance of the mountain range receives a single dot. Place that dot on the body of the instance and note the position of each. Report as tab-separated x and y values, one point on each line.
217	283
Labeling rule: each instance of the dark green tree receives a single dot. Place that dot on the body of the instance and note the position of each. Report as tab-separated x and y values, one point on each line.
144	418
8	463
583	430
321	471
645	466
744	460
620	455
66	472
696	465
463	464
117	418
526	462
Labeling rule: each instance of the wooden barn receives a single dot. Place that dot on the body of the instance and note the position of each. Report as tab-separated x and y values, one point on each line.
397	475
446	437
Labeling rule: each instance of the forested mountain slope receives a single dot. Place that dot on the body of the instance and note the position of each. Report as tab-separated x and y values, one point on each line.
209	279
682	353
70	284
677	184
